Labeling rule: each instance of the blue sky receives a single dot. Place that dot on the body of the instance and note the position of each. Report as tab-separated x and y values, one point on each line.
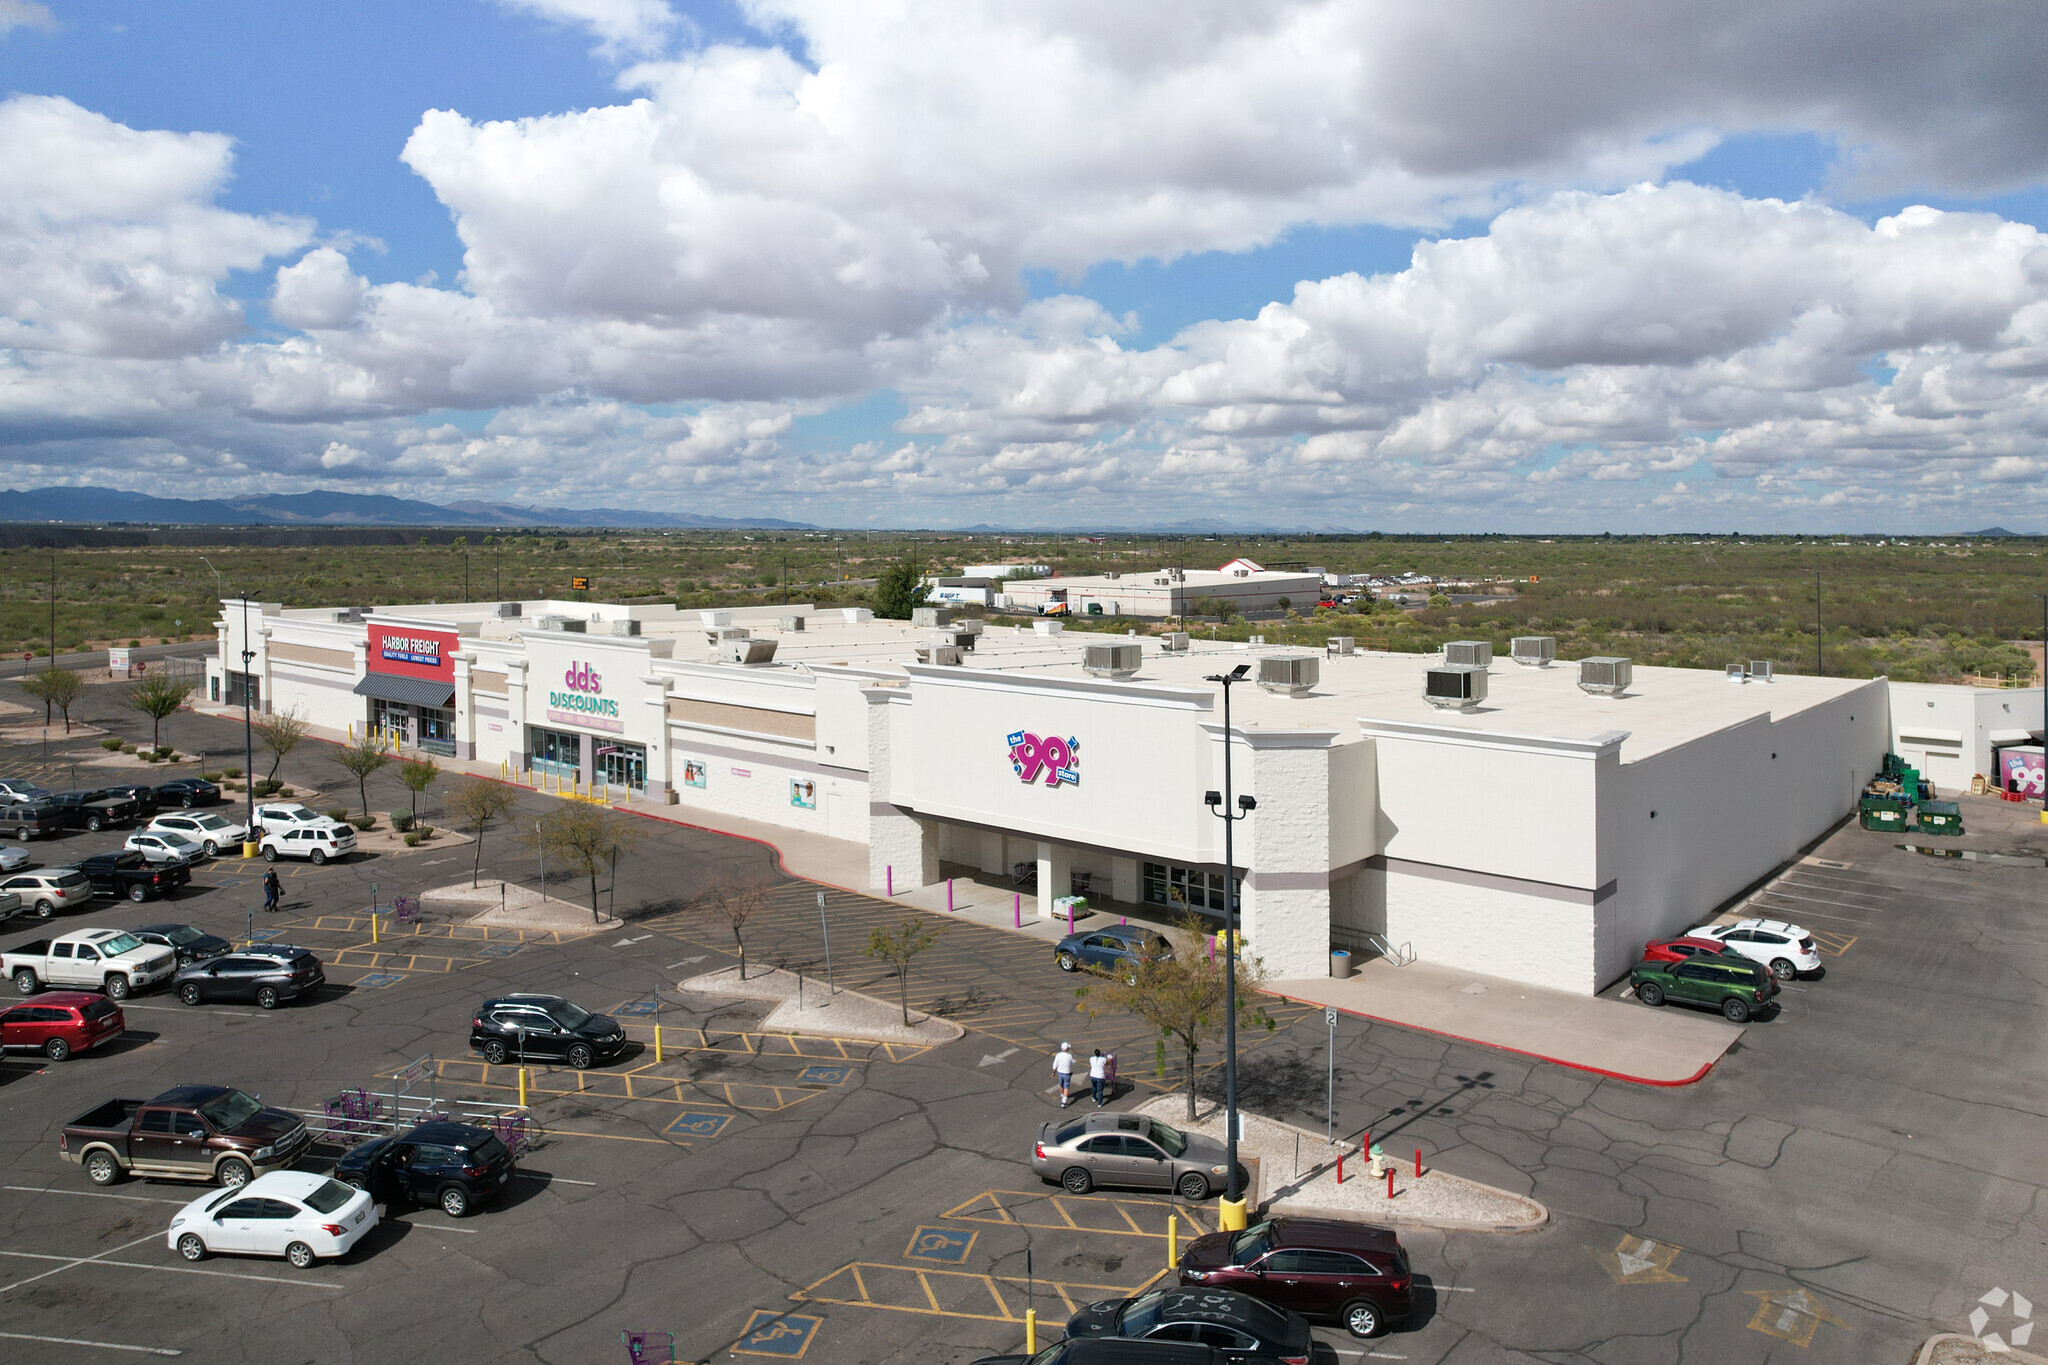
966	266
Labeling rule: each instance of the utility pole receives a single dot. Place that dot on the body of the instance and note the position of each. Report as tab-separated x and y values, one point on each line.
53	608
1231	1213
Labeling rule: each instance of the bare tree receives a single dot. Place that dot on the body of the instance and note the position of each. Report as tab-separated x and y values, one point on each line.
585	839
58	687
1181	994
418	774
156	698
736	900
359	758
281	732
899	947
477	803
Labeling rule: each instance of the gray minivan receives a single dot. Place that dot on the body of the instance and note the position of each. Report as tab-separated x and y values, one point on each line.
42	821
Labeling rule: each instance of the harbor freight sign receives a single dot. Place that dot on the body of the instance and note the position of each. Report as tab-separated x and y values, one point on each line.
413	653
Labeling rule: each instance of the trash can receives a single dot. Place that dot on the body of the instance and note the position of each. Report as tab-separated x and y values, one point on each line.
1940	817
1886	815
1340	963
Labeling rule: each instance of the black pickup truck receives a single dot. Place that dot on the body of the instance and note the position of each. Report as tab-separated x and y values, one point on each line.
127	874
94	808
191	1132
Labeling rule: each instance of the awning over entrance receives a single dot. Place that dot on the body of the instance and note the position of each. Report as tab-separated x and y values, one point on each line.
411	691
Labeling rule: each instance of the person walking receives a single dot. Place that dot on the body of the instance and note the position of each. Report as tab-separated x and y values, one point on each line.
1063	1069
1098	1072
273	890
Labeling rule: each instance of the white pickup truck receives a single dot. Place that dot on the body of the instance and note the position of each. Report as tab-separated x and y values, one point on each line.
110	960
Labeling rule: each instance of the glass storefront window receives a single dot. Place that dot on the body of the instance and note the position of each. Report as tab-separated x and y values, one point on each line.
391	716
554	751
1192	887
623	765
436	730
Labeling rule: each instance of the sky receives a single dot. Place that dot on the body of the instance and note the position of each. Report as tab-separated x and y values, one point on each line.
935	263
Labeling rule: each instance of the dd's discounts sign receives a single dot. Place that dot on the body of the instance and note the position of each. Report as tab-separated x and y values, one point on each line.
413	653
580	700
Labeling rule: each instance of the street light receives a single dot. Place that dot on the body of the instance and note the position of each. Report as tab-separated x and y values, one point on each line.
1231	1211
248	721
2044	693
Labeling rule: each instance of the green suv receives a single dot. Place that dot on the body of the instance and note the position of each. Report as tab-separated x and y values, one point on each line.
1739	989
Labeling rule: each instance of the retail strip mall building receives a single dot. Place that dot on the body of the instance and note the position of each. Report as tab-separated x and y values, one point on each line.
1542	836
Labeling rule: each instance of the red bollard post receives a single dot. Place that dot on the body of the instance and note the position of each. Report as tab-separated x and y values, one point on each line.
1418	1163
1390	1182
1340	1168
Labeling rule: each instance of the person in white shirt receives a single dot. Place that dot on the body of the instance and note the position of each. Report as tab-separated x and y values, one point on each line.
1098	1074
1063	1068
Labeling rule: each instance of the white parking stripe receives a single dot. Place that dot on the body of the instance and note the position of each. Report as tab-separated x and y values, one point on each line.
1817	900
94	1194
145	1265
69	1260
554	1179
96	1345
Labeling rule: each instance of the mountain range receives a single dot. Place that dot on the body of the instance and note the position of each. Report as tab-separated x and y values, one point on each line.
330	507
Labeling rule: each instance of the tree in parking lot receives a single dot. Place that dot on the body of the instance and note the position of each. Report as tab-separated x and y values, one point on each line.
736	900
476	803
899	947
281	732
418	774
585	839
58	687
156	698
360	758
1182	995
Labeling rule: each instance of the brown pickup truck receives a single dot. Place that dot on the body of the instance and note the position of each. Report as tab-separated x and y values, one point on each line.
192	1132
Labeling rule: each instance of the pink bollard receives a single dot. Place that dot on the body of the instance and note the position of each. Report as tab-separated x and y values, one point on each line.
1017	910
1070	917
949	910
891	874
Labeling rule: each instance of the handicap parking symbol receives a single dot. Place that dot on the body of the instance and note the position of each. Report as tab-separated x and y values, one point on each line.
787	1335
697	1123
824	1075
940	1244
637	1009
377	979
265	935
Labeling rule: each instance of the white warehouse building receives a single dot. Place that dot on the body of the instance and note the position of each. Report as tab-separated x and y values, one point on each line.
1541	835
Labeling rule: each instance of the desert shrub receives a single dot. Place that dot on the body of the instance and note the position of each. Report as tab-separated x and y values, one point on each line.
365	823
110	744
212	776
412	839
401	820
232	772
338	813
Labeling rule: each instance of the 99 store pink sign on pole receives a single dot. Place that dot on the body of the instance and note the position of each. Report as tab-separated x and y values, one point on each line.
1059	760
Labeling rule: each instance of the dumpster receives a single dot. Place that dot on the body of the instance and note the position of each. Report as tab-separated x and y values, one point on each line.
1885	814
1940	817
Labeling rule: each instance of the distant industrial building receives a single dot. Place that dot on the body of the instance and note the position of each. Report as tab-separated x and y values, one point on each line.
1160	593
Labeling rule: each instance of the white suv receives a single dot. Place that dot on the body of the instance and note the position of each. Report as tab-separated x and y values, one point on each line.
43	893
161	846
1785	948
317	842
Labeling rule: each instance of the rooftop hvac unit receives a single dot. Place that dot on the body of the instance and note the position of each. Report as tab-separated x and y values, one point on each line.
1174	642
853	616
793	624
550	623
1455	687
1048	627
746	650
944	656
1605	676
1760	669
1477	653
971	626
575	625
1737	674
625	626
1291	675
1112	661
930	617
1241	573
708	619
1113	574
1341	644
721	636
339	616
1534	651
510	611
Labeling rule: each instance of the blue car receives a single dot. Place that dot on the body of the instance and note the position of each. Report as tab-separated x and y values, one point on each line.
1110	946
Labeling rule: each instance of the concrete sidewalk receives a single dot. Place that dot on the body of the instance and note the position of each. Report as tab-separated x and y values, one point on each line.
1609	1037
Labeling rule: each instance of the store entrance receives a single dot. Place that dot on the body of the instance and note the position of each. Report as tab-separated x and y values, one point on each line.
623	765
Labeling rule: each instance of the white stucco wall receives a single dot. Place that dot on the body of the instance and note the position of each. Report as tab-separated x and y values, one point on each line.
1946	732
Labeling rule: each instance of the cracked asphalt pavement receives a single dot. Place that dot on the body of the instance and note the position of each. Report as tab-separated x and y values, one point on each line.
1846	1183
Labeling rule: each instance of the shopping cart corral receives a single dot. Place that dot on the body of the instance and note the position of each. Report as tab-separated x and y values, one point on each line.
411	1099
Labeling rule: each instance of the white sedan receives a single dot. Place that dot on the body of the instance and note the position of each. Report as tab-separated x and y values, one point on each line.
164	847
294	1214
1785	948
13	859
211	832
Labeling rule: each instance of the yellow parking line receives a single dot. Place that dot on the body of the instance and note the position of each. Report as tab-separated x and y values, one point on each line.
926	1285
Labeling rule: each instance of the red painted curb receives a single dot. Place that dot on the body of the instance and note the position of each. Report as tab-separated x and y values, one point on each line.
1696	1077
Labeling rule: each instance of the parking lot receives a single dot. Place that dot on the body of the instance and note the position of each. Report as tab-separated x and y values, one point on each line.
1845	1183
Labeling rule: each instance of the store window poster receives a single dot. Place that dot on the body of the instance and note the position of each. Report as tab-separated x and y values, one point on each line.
694	770
803	793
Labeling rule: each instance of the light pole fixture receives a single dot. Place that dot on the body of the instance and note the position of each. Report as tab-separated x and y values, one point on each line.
1231	1212
248	722
2044	694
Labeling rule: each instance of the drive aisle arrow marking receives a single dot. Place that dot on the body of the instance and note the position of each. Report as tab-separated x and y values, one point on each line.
1638	1260
988	1060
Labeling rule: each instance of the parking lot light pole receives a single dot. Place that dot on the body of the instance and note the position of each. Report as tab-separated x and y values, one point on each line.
249	844
1230	1211
2044	697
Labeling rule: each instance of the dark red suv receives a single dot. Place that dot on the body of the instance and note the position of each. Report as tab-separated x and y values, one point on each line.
1351	1272
61	1023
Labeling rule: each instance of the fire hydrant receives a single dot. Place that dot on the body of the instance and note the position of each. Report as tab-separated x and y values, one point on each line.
1378	1166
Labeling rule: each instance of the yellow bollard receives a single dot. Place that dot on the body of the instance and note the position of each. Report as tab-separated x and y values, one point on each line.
1230	1215
1172	1240
1031	1331
522	1087
657	1044
373	927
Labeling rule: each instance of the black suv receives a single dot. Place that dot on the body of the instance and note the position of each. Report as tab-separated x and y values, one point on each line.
191	944
450	1164
544	1028
94	808
187	792
269	976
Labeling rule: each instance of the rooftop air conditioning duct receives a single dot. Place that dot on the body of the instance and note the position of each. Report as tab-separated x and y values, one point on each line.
930	617
1605	675
1534	651
944	656
511	611
1341	644
625	626
1455	687
1760	669
575	625
972	626
1477	653
792	624
1112	661
550	622
1174	642
747	650
1290	675
1737	674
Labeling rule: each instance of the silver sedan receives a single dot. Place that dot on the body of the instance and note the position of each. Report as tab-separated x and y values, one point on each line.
1109	1148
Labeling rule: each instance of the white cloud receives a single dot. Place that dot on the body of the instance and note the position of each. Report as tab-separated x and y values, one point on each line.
25	14
621	26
